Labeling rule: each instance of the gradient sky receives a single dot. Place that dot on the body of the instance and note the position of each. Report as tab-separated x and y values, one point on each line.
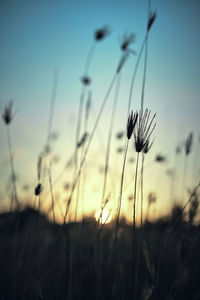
38	36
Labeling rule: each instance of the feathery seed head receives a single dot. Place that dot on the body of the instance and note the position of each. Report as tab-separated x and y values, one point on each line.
152	17
128	39
8	114
188	144
143	129
132	120
101	33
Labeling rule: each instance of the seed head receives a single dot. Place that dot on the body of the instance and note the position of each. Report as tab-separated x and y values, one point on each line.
8	113
128	39
151	20
132	120
143	129
188	144
101	33
85	80
38	189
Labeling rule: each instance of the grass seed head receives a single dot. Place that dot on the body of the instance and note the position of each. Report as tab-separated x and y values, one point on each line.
143	129
101	33
128	39
152	17
188	144
38	189
8	113
132	120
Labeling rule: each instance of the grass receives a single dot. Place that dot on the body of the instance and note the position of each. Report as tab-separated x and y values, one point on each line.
88	259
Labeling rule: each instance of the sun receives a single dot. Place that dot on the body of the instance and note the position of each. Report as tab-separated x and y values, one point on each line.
103	216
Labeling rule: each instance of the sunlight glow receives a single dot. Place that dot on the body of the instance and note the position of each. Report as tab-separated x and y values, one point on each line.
103	216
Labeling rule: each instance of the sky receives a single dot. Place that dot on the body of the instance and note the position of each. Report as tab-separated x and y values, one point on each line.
39	37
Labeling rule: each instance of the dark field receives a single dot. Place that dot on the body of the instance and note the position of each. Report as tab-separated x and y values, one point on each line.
41	260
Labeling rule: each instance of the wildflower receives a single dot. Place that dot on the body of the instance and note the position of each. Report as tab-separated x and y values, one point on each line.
38	189
85	80
128	39
101	33
188	144
151	20
8	114
132	120
143	130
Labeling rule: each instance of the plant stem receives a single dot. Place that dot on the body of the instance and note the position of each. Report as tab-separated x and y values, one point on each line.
13	175
52	196
134	74
134	216
88	146
120	194
110	138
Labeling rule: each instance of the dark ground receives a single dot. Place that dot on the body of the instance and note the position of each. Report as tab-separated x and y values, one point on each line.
41	260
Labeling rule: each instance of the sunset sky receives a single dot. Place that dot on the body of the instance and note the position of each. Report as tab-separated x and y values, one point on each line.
38	37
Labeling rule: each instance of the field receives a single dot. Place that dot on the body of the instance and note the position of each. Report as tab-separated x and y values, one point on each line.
107	205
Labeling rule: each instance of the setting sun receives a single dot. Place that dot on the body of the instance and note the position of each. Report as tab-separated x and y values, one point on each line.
103	216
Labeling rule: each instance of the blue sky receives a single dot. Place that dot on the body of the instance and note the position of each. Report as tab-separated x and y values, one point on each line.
38	36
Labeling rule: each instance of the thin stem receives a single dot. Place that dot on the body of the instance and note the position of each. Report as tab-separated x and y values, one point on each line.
89	58
52	106
52	195
134	214
184	179
110	138
134	74
87	114
145	60
13	175
142	190
135	194
88	146
120	194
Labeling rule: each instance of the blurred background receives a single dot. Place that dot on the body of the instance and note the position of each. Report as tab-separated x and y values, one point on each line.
44	47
